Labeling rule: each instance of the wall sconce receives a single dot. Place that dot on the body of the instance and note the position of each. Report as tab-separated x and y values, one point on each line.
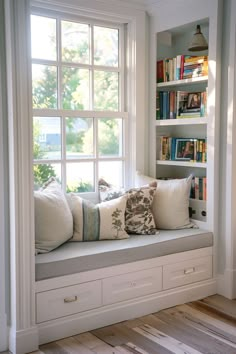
198	42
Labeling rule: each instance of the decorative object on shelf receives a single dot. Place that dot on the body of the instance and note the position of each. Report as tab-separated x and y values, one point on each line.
198	42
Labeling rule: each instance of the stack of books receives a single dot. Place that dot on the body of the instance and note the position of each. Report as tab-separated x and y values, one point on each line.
181	67
180	104
181	149
199	188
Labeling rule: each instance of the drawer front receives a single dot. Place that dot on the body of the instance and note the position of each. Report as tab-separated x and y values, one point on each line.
187	272
131	285
67	301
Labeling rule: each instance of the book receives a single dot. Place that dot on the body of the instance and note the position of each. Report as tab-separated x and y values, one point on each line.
181	102
160	71
157	105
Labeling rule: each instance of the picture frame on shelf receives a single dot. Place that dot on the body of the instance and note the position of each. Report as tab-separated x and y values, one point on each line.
194	100
184	149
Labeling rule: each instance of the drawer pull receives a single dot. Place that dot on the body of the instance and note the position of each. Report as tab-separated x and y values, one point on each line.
189	270
71	299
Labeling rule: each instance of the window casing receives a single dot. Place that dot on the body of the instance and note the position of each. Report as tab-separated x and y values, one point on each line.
79	117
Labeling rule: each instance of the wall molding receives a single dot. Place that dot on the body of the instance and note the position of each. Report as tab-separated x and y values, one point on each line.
226	284
23	341
20	177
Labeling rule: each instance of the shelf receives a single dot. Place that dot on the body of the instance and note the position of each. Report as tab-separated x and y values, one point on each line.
182	163
181	121
194	80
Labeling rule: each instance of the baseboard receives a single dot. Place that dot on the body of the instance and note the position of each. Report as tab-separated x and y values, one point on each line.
3	333
226	284
106	315
24	341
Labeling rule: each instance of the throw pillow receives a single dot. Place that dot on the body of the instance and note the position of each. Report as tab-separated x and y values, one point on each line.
138	215
171	203
98	222
141	180
108	192
53	218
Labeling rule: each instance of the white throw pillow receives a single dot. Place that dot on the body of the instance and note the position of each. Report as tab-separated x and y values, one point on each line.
171	202
141	180
103	221
53	218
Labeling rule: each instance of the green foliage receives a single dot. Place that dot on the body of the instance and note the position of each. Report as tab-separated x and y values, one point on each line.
43	172
80	188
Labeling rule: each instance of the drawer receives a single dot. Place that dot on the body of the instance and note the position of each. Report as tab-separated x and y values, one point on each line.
131	285
68	300
187	272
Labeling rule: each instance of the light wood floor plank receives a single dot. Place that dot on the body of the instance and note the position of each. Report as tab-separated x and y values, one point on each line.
164	340
192	332
220	304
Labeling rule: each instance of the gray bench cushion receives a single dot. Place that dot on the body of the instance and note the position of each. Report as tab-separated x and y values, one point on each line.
75	257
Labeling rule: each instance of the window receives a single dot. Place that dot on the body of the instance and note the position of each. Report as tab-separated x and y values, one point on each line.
78	102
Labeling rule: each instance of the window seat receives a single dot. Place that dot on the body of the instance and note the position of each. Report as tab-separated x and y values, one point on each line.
75	257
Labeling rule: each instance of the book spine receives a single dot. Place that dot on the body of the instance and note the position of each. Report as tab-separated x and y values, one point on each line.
204	188
158	105
178	67
182	67
196	187
160	71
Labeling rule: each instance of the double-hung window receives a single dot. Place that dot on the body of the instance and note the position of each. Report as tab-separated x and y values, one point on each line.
78	85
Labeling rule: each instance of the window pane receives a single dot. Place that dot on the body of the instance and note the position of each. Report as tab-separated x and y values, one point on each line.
106	90
111	171
110	137
106	47
47	138
44	86
79	137
42	173
75	89
80	177
43	38
75	42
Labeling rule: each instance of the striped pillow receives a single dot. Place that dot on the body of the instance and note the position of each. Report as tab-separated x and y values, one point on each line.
104	221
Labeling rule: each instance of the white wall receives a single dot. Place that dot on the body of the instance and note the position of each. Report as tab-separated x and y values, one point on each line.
227	237
4	234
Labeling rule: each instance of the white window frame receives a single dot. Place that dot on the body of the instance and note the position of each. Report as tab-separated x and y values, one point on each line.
62	113
24	333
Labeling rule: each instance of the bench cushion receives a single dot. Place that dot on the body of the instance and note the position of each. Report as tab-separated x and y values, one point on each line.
75	257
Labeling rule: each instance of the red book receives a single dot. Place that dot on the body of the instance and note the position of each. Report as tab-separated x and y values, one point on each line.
160	71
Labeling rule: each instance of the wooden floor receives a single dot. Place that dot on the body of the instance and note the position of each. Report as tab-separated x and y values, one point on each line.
207	326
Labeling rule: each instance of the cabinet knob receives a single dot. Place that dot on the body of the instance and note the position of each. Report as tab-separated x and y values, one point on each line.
71	299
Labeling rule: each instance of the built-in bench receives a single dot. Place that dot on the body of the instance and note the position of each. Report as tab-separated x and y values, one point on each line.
74	257
85	285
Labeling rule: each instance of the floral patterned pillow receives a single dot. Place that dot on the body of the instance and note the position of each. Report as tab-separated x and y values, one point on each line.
138	215
108	192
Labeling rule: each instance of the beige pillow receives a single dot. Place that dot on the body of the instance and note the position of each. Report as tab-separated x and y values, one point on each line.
53	218
171	202
104	221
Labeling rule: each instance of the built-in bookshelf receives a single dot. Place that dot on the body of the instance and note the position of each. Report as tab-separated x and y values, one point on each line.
183	117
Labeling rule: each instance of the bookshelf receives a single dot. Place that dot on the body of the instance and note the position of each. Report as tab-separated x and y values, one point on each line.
171	41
